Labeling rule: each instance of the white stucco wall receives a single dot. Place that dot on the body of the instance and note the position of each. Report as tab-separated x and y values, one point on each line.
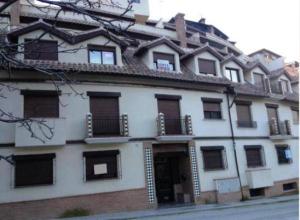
69	172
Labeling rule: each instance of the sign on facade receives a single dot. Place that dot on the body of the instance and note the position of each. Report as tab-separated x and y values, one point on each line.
100	169
227	185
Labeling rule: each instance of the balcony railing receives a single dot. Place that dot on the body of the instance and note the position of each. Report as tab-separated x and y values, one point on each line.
280	127
246	124
107	126
174	126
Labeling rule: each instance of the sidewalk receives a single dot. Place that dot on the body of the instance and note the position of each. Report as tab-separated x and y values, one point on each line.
185	209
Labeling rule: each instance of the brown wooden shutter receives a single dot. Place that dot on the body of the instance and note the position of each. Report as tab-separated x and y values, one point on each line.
41	106
213	158
253	155
33	170
259	80
212	106
101	157
164	56
207	66
171	110
41	50
243	113
106	116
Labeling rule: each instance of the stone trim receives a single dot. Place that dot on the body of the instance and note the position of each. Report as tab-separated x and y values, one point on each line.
149	173
194	170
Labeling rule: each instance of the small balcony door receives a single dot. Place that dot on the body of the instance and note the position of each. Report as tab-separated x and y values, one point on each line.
171	110
106	116
273	114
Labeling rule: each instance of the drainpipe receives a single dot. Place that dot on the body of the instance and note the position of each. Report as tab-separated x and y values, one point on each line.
229	105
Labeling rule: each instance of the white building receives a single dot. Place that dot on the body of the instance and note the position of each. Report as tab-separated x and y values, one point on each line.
178	118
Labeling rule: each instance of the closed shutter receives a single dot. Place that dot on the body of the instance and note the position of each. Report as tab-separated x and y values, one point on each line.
243	113
213	159
41	50
254	158
170	109
41	106
259	80
33	170
212	110
106	159
207	66
106	117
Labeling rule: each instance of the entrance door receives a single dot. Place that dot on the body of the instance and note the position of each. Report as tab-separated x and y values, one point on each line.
166	175
171	110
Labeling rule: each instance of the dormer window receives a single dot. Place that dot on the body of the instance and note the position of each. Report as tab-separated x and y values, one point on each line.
40	49
259	80
232	74
285	86
163	61
207	66
102	55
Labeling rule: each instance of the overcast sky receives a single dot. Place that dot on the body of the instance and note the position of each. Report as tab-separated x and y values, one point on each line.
253	24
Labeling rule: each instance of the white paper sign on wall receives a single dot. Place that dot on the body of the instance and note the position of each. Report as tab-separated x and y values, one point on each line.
288	154
227	185
163	65
100	169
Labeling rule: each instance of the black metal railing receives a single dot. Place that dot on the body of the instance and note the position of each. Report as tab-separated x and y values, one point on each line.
106	126
280	127
174	126
246	124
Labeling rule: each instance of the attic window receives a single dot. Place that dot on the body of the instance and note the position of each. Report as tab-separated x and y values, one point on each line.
40	49
232	74
207	66
164	61
285	86
102	55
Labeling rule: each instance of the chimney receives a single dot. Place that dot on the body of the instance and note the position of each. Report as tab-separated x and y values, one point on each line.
181	29
202	20
15	14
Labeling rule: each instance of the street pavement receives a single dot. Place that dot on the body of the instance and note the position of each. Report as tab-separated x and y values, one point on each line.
276	208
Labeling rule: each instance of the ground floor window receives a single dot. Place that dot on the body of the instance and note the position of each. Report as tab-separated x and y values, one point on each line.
284	154
289	186
32	170
255	156
101	164
257	192
213	158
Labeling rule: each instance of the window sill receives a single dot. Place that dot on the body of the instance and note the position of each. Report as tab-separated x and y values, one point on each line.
245	127
217	169
213	119
36	185
101	179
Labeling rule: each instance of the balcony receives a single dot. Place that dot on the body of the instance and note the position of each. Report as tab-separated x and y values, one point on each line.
280	130
174	129
246	124
107	130
258	178
44	136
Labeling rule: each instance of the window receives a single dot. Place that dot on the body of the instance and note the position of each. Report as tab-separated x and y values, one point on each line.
289	186
102	55
32	170
104	107
284	154
257	192
232	74
285	86
295	112
244	115
254	156
207	66
259	80
101	164
212	108
40	50
164	61
213	158
41	104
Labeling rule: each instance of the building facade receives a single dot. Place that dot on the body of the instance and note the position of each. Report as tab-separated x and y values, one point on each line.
178	116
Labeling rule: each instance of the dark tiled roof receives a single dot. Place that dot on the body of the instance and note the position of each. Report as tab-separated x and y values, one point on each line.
163	40
264	50
252	65
202	49
249	89
233	59
276	73
292	97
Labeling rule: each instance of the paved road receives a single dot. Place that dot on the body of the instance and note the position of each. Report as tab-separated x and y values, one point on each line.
280	211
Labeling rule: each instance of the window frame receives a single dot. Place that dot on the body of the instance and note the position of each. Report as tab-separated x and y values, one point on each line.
98	154
286	83
28	40
164	54
222	153
31	158
295	109
207	60
230	71
101	49
251	123
284	147
261	153
262	77
214	101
